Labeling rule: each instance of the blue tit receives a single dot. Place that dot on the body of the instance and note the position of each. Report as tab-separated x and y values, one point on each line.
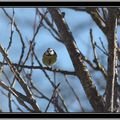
49	57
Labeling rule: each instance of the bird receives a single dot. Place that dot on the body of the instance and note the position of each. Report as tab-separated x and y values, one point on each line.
49	57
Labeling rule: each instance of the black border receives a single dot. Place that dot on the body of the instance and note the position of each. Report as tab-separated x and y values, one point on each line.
59	4
60	115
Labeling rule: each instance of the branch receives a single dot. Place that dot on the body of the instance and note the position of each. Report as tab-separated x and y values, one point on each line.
14	101
20	80
97	18
112	60
20	97
74	93
19	33
42	68
78	63
99	66
118	53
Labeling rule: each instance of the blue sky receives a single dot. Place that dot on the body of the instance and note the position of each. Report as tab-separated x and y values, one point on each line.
78	22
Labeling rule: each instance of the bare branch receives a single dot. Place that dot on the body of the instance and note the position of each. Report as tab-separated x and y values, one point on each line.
99	66
20	79
112	60
76	57
97	18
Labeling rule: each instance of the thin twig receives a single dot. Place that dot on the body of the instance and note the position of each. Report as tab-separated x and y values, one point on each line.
20	80
99	66
76	96
12	101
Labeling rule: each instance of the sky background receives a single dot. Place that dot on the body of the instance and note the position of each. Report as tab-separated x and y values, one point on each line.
79	23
